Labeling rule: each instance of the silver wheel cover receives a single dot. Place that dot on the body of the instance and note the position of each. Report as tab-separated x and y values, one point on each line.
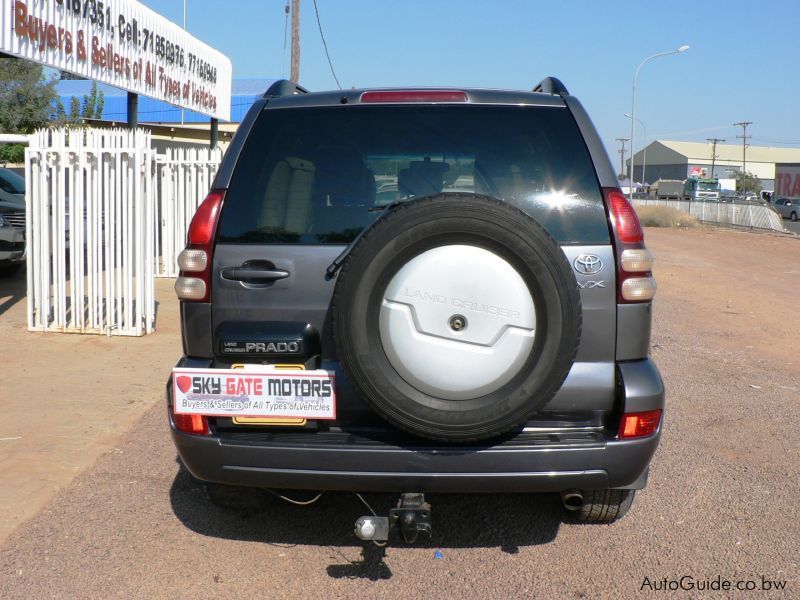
457	322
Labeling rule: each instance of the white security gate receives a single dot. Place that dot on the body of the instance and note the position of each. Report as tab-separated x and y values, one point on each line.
91	216
184	178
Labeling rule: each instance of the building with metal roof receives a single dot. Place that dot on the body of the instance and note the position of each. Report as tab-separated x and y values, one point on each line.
244	93
664	159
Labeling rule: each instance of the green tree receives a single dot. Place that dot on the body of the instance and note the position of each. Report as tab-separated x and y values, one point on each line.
60	115
12	153
26	97
74	110
91	107
747	183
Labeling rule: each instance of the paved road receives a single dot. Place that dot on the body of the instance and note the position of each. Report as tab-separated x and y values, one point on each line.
794	227
722	500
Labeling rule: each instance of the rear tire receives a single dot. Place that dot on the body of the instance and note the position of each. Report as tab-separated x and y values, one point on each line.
604	506
413	393
793	216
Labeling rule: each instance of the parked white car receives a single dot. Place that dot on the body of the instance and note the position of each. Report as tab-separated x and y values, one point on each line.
788	208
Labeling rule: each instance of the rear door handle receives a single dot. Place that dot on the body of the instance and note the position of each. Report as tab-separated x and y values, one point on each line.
253	275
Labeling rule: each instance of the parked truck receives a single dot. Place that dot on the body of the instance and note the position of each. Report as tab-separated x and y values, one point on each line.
698	189
701	189
667	189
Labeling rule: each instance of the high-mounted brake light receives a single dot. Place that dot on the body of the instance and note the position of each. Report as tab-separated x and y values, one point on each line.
194	282
390	96
639	424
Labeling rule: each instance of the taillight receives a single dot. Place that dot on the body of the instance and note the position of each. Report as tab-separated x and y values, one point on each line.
639	424
390	96
623	215
634	262
194	282
195	424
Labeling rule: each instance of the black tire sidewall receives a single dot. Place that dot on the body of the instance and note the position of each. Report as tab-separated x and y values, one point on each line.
427	223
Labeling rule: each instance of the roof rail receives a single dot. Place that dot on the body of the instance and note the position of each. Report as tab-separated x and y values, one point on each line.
551	85
284	87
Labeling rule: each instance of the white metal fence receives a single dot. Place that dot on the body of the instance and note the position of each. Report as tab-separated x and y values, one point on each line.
104	216
723	213
90	215
184	177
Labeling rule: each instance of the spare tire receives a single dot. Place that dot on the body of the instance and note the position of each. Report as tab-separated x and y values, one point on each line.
456	316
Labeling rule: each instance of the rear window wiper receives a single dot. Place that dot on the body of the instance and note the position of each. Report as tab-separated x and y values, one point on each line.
337	263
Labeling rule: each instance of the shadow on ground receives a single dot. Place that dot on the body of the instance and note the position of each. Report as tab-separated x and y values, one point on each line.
504	521
12	289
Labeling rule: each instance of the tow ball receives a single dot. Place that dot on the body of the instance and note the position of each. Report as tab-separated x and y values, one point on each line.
411	519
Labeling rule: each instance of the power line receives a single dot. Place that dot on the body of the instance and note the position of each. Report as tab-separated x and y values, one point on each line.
775	140
744	137
330	64
714	152
621	151
689	131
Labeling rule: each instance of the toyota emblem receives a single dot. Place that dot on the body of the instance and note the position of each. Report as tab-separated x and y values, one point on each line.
588	264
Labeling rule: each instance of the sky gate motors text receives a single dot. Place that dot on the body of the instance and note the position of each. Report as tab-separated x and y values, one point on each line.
275	386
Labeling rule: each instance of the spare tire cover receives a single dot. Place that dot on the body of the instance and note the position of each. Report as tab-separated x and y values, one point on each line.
456	316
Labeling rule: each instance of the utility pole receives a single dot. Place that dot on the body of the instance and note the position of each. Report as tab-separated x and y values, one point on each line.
622	142
295	76
744	137
713	152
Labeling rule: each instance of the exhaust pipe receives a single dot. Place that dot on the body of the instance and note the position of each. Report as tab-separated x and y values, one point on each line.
572	499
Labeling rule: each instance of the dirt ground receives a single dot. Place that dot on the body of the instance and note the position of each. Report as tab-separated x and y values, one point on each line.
67	398
740	288
721	502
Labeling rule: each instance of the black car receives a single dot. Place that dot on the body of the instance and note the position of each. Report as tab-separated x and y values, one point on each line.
486	329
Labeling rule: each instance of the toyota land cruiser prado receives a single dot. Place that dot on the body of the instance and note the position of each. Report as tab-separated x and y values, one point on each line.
481	325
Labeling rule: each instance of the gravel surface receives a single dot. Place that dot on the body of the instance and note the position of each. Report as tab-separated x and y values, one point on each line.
721	500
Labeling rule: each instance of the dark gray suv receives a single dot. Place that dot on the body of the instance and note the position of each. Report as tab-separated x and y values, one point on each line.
482	325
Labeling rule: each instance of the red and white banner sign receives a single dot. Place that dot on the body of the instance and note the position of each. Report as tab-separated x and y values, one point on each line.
697	172
254	393
787	181
122	43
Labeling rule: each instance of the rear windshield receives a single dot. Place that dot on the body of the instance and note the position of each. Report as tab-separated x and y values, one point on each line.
321	175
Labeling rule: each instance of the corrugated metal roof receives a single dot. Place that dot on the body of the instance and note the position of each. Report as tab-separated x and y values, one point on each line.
701	152
244	93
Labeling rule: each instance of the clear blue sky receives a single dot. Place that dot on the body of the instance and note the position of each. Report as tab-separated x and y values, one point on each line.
742	65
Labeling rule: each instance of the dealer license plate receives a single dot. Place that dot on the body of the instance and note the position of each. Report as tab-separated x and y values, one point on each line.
254	392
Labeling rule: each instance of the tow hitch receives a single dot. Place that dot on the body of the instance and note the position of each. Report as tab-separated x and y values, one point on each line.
411	519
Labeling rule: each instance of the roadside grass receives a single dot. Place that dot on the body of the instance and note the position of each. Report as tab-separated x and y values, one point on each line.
665	216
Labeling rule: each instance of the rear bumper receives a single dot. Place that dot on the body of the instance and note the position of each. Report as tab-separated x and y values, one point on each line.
532	461
12	246
11	258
